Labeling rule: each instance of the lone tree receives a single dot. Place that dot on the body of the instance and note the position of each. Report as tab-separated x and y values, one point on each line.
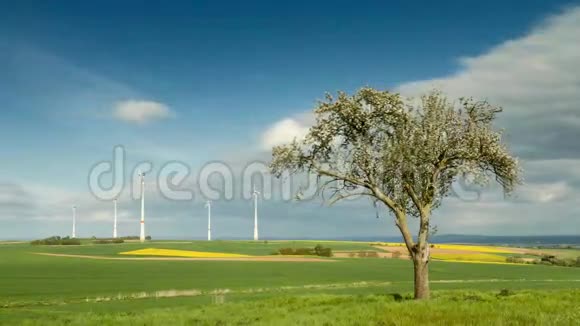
404	154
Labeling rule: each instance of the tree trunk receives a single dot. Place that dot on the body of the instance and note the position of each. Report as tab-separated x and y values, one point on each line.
421	278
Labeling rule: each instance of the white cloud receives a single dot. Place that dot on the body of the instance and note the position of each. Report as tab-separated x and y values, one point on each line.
141	112
283	132
539	66
544	192
535	79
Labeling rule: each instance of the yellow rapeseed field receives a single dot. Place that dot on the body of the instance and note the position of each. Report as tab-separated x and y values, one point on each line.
486	249
180	253
475	257
474	248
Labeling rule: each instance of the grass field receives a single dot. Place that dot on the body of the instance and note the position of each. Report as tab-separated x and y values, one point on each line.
448	308
56	289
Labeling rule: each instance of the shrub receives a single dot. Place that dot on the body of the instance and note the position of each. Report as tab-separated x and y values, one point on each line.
505	293
304	251
553	260
324	252
286	251
397	297
516	260
397	254
317	251
74	242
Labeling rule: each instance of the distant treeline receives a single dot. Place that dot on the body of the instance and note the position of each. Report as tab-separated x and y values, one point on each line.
131	237
319	250
108	241
63	241
547	260
56	241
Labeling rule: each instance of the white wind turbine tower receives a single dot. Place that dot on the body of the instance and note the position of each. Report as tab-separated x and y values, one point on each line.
255	194
115	218
142	236
74	226
208	205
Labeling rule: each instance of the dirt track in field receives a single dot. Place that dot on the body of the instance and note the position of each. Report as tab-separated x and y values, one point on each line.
405	253
355	254
257	258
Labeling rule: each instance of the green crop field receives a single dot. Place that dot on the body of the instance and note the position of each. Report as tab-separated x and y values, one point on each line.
42	289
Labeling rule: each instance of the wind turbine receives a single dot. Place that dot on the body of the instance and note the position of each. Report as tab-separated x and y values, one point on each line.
255	194
74	228
208	205
115	218
142	236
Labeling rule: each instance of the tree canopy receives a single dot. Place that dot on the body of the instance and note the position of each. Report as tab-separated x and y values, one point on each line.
404	153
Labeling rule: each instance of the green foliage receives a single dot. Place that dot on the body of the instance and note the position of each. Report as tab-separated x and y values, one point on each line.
515	260
56	241
108	241
394	149
323	252
505	293
134	237
318	250
558	261
296	251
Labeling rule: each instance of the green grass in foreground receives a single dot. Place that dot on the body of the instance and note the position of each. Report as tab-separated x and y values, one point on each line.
55	290
446	308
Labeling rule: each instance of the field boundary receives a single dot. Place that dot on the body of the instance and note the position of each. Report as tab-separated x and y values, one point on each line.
253	258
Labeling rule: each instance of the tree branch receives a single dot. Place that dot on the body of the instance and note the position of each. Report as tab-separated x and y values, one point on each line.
414	197
400	217
341	197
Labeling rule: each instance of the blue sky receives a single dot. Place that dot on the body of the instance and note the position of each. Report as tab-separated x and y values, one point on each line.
206	81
